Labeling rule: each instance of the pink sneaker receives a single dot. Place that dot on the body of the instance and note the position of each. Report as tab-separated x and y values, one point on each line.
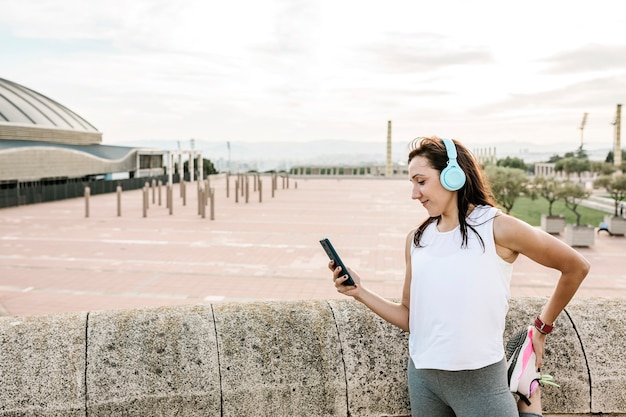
522	375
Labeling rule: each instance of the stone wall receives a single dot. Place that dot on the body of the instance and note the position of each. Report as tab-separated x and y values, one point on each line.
304	358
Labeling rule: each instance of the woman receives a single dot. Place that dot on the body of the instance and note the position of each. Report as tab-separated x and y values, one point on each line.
457	287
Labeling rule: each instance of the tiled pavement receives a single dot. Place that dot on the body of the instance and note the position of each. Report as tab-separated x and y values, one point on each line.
53	259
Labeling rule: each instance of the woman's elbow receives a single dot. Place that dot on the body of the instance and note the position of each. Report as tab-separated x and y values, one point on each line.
586	266
582	269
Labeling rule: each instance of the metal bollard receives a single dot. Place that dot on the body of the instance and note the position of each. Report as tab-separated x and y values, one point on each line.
87	193
247	189
146	187
145	200
170	197
212	194
119	200
201	202
199	199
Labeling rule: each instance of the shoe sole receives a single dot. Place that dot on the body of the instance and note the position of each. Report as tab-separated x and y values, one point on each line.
519	352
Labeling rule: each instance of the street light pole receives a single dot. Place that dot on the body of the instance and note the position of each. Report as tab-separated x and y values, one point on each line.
582	127
617	148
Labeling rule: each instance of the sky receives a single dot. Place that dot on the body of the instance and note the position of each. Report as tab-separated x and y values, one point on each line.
480	71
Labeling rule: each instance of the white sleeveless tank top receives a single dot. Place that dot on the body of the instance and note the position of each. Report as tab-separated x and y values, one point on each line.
459	297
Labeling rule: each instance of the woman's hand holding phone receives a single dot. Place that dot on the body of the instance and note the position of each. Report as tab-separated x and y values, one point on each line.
346	280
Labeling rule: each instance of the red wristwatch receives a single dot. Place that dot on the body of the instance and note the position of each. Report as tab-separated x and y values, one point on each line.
542	327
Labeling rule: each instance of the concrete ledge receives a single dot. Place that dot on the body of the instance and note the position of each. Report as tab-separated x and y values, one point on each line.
280	359
601	327
152	362
42	366
313	358
375	356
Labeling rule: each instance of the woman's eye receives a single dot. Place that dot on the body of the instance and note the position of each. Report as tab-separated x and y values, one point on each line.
421	182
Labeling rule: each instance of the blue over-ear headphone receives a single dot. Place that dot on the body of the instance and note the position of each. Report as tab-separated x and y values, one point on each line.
452	177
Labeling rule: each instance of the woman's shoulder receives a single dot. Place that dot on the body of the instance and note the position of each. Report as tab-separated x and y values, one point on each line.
509	230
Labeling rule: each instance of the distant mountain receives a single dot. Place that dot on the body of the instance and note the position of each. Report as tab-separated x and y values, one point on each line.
281	155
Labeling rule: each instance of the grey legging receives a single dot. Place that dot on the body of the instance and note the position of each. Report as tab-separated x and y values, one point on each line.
479	392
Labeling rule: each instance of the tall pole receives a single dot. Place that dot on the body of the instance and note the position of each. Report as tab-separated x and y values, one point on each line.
191	167
192	155
389	167
200	167
617	152
228	144
170	166
582	127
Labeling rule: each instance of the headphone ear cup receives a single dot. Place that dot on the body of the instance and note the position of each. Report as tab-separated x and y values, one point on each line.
452	177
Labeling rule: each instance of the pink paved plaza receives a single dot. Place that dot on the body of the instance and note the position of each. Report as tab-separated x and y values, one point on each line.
54	259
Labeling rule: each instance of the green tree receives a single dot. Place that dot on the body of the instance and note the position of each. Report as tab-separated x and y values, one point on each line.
207	167
554	158
603	168
615	186
509	162
572	195
581	153
548	188
572	165
507	185
610	157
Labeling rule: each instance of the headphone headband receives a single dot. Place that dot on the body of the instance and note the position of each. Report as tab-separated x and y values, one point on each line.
450	148
452	177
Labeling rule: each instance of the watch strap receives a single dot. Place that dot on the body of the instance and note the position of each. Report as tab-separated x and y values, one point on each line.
542	327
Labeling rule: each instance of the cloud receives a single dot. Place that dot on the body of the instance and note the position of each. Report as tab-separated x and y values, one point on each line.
422	52
71	19
298	70
594	94
588	58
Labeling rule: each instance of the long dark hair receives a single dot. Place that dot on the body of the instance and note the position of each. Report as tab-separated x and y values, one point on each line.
475	192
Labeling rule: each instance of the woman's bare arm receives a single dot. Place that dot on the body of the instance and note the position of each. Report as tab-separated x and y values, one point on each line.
518	237
395	313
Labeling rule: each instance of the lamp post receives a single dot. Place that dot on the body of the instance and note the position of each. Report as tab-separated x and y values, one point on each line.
617	148
582	128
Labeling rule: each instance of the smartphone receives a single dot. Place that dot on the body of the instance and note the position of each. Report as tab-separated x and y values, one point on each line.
332	254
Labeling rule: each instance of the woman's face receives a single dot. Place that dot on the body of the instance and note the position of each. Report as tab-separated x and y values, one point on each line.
428	189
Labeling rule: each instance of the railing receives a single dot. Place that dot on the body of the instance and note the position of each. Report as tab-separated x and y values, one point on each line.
19	194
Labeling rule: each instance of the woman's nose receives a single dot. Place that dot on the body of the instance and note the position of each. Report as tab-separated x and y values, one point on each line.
415	195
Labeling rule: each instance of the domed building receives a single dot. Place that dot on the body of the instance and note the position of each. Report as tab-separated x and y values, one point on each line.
42	141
